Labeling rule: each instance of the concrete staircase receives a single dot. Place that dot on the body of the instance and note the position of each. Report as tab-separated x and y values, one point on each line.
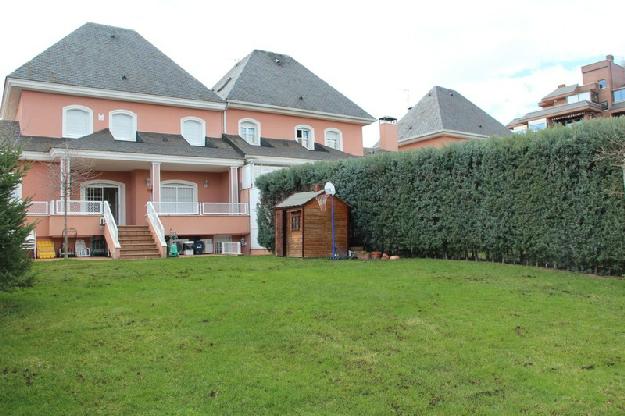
137	242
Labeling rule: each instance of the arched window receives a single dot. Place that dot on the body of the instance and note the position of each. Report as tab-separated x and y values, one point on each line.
77	121
334	139
178	197
305	135
193	130
249	130
123	125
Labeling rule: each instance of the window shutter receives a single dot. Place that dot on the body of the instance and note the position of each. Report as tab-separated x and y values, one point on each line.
193	132
122	127
77	123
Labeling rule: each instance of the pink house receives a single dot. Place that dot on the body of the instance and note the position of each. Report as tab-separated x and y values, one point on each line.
169	154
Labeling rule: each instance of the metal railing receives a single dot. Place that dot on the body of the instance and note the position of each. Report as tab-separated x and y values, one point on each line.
109	220
78	207
155	222
200	208
38	208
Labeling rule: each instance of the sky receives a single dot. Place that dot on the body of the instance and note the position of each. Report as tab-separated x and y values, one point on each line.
384	55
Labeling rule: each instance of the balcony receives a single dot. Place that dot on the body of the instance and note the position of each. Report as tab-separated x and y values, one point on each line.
200	208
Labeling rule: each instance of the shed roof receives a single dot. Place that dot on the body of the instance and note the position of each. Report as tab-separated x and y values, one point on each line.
298	199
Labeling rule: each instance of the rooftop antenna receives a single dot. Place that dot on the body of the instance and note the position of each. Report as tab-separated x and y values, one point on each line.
331	190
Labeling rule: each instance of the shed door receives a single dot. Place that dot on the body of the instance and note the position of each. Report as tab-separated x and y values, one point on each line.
279	226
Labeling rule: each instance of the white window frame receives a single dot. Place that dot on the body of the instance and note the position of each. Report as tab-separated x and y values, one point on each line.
182	184
340	134
258	134
134	124
202	124
533	124
311	144
121	187
81	108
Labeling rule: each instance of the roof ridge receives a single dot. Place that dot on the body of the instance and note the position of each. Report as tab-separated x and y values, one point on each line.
436	90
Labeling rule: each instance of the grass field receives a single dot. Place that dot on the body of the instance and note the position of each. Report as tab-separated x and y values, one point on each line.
243	336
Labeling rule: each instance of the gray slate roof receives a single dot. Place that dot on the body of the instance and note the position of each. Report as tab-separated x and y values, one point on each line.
284	148
147	142
99	56
298	199
567	89
446	109
265	77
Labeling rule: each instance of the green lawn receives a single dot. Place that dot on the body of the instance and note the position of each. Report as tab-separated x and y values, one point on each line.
246	336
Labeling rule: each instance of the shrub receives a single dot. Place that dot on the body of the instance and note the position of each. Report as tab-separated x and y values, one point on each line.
14	262
543	198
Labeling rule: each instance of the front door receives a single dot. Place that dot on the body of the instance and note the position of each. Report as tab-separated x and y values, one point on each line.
109	193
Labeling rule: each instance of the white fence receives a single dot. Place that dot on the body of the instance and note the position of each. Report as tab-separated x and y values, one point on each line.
200	208
78	207
39	208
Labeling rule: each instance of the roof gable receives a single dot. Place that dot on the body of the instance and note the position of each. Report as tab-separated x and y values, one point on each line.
445	109
269	78
108	57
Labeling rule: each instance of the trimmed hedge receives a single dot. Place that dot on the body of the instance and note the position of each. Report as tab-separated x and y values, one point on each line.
544	198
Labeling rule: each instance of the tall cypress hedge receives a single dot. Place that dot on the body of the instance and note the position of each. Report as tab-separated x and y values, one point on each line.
548	198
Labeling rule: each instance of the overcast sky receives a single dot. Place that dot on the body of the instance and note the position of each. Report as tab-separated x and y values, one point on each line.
384	55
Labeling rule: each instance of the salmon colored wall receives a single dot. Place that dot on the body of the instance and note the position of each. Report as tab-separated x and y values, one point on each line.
36	184
85	225
41	114
439	141
280	126
218	189
206	225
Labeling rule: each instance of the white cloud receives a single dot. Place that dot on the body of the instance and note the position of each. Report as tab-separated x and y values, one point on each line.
371	51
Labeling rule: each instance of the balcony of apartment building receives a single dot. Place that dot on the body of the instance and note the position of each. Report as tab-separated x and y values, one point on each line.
618	103
566	105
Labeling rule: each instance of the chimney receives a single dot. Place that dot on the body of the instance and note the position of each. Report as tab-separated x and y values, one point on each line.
561	85
388	134
610	58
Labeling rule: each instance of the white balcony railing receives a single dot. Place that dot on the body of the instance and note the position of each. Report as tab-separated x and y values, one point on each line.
227	247
200	208
155	222
39	208
78	207
109	220
212	208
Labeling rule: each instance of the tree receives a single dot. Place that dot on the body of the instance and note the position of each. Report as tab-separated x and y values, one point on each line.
65	178
14	261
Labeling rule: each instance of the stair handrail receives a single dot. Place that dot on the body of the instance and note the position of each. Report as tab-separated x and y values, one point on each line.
109	220
155	222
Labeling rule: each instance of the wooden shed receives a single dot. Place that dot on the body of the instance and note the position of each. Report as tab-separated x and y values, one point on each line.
303	225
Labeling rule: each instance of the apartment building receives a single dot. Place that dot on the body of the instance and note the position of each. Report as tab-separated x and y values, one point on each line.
169	154
601	94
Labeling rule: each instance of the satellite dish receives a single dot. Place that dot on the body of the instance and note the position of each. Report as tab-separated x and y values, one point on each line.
329	188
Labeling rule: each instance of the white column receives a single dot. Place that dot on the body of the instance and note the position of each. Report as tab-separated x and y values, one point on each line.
234	185
155	174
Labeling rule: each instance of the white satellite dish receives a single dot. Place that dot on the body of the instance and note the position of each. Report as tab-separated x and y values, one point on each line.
329	188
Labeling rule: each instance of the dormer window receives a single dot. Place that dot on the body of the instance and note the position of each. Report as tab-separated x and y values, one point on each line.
334	139
193	130
77	121
304	135
249	130
123	125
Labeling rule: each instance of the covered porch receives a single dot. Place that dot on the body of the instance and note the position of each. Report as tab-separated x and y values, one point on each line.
193	198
